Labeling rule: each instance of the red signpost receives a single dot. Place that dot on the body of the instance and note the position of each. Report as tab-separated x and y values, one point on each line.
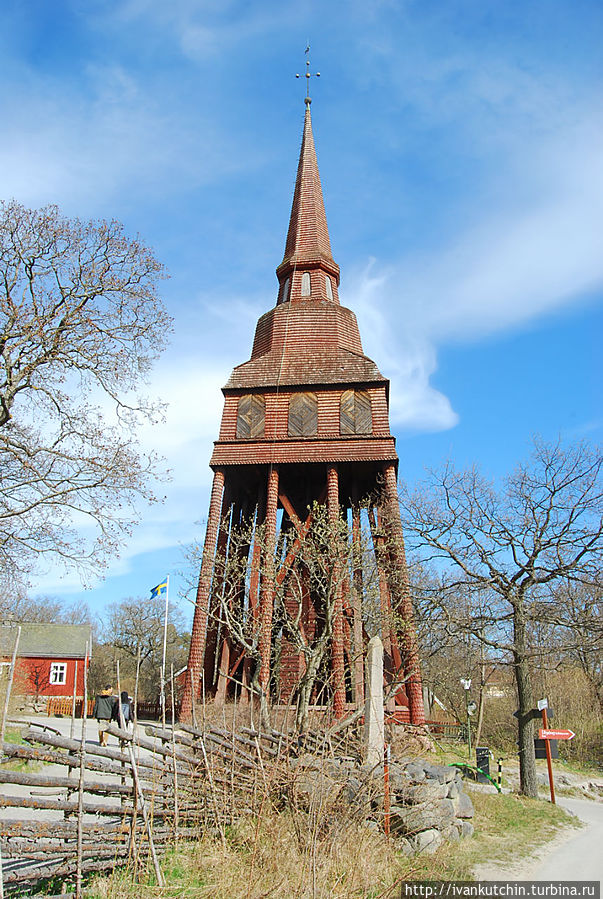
547	746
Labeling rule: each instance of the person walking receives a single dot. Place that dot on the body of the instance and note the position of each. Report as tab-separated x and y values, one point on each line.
104	706
123	708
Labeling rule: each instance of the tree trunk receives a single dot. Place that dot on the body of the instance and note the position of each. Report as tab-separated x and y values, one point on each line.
482	692
306	685
528	783
257	690
303	705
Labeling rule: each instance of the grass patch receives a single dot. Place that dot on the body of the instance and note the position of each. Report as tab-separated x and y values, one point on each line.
13	735
447	752
24	765
286	857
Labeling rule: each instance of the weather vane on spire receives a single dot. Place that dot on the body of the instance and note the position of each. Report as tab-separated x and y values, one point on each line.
309	75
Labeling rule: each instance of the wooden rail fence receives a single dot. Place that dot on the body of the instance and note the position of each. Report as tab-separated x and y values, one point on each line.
61	706
88	808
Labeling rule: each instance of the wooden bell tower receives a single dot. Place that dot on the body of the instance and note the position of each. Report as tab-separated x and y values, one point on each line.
305	420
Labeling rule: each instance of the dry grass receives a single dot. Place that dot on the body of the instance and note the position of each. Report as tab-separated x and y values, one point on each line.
301	843
265	857
323	854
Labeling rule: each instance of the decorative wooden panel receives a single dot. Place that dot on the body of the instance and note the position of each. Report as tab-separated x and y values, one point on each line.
250	416
364	418
303	415
355	414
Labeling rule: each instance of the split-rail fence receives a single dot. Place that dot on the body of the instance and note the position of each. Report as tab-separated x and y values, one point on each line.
86	808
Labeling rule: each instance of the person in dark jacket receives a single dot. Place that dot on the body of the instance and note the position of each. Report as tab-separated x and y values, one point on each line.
104	706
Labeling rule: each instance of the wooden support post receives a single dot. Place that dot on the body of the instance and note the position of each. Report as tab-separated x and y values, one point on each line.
414	687
9	686
357	594
267	587
215	623
174	761
223	672
387	568
386	790
226	594
197	646
385	605
256	558
337	661
80	801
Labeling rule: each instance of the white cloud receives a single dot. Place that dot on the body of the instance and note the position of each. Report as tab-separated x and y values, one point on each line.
534	250
210	28
109	134
518	263
191	389
402	355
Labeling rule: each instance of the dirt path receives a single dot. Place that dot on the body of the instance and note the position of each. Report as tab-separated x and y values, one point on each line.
572	855
581	856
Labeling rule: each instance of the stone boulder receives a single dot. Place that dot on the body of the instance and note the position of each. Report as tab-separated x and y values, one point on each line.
463	806
427	842
428	801
428	791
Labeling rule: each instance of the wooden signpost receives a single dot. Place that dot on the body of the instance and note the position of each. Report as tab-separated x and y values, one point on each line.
544	733
542	706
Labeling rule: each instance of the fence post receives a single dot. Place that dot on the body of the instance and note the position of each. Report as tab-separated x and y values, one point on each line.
80	797
386	791
9	686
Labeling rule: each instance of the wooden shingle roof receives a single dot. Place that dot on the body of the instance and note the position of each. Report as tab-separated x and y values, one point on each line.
308	240
47	640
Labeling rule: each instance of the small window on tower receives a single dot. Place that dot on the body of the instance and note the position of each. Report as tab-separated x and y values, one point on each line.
329	287
250	416
285	293
355	415
303	415
305	285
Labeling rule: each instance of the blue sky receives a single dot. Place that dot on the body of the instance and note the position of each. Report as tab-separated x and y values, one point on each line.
459	146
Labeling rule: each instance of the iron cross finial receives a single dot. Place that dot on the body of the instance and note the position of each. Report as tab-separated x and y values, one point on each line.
309	75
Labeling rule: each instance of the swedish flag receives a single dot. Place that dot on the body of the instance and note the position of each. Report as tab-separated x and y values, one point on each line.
159	589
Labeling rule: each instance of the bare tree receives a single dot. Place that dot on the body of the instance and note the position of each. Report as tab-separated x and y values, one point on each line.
80	324
17	606
322	569
314	567
576	618
134	628
507	549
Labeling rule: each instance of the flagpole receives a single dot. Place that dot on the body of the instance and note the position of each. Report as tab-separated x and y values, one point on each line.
165	624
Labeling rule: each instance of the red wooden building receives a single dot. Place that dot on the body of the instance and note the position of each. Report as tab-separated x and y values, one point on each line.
47	658
305	420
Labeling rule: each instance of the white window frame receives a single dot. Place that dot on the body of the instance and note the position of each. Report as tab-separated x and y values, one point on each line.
58	674
329	287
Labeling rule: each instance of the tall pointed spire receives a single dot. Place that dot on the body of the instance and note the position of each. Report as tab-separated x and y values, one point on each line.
308	248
